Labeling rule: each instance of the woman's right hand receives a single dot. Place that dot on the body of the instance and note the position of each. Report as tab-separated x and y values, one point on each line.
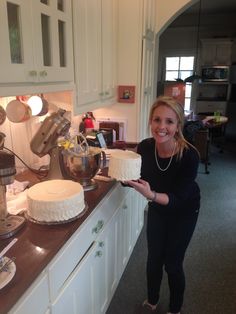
141	186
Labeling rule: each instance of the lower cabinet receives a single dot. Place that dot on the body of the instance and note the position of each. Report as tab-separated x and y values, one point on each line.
36	299
90	287
85	283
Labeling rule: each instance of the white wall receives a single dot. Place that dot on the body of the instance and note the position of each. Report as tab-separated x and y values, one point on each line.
167	11
129	58
130	49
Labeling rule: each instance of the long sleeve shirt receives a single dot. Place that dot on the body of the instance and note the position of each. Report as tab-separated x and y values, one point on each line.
178	181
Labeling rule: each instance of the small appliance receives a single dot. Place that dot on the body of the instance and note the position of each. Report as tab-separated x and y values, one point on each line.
71	158
45	141
218	73
9	224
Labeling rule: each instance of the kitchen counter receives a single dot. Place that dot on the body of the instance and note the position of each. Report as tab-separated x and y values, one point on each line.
38	244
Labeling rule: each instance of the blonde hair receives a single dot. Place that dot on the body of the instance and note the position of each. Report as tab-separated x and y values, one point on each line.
179	111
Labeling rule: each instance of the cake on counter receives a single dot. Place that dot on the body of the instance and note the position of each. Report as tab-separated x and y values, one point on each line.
55	201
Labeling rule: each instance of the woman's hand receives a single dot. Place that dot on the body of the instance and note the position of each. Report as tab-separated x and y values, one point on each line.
141	186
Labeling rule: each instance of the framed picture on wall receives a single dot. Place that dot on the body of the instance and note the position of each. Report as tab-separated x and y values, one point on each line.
126	94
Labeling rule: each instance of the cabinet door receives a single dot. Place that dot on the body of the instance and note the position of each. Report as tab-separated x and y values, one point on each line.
16	36
104	267
126	231
35	300
76	297
87	39
37	37
91	285
109	40
53	46
216	52
223	53
138	205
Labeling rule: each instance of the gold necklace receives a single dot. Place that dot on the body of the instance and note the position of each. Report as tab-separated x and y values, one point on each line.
158	166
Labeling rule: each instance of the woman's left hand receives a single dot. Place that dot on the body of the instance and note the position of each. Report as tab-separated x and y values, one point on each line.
141	186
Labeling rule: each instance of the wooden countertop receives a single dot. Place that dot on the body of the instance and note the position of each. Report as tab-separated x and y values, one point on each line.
38	244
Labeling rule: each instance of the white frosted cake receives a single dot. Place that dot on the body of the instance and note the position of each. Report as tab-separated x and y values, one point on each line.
55	200
124	165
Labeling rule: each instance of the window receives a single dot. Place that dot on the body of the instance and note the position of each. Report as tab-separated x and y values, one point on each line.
180	68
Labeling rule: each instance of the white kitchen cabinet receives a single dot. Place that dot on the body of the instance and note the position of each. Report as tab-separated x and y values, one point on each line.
69	257
36	298
88	288
92	282
36	39
130	225
216	51
211	106
95	52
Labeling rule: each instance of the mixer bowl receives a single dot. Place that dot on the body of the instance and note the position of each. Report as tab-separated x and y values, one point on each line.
83	167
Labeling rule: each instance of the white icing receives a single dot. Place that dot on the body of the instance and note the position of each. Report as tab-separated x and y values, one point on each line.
55	200
124	165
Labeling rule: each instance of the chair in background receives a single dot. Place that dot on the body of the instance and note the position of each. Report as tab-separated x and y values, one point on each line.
202	143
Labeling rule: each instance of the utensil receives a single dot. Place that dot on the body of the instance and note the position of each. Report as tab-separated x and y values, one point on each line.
5	266
3	252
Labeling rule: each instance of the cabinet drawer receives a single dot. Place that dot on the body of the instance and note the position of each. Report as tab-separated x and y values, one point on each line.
68	259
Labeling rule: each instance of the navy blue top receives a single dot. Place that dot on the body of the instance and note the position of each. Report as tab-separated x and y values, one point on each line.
178	181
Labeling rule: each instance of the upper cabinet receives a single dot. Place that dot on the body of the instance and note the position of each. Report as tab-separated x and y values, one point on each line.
216	51
36	41
94	23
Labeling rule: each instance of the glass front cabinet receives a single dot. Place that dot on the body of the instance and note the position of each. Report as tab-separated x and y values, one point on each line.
36	41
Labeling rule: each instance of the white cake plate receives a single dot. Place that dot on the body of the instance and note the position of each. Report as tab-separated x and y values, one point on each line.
28	217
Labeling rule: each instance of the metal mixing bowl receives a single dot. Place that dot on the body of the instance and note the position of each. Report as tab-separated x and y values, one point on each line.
84	166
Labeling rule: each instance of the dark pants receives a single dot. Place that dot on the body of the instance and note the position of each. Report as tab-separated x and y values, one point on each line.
168	238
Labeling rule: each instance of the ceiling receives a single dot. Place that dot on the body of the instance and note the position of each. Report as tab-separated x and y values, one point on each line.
222	12
213	7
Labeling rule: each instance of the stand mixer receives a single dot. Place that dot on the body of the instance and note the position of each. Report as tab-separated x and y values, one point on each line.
9	224
78	162
45	142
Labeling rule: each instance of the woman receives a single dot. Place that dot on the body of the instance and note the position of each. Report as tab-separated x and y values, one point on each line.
168	172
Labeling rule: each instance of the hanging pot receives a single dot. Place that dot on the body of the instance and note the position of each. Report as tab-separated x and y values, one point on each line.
2	115
18	111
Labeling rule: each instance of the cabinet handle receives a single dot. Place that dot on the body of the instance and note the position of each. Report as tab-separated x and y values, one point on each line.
107	93
32	73
125	206
98	226
98	254
101	244
43	73
101	94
